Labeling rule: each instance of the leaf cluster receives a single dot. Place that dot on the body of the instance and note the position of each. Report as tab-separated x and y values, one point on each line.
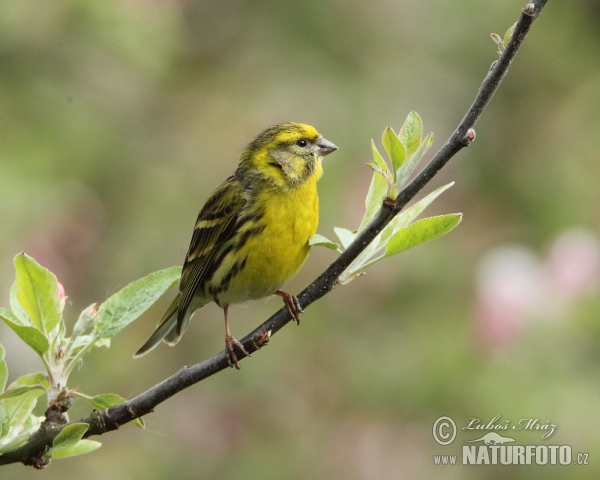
404	150
36	315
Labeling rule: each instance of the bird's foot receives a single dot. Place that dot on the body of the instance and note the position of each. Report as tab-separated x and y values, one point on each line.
230	343
292	304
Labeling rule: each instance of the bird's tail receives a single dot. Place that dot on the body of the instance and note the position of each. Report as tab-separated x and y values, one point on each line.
166	330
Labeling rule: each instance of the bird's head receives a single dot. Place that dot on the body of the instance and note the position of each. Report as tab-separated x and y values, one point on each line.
286	154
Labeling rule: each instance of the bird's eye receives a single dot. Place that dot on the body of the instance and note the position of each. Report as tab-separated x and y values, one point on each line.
302	143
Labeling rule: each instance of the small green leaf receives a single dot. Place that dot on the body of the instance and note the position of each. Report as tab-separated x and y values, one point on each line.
4	421
508	35
37	292
379	165
30	335
69	443
420	232
391	189
394	148
80	448
403	173
320	241
405	218
132	301
3	369
411	133
69	435
375	196
19	408
15	392
346	236
402	220
107	400
378	159
376	168
86	320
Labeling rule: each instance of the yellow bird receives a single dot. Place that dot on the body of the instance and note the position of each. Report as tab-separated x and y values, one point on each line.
252	234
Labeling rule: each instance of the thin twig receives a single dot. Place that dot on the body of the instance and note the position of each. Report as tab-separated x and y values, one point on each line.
112	418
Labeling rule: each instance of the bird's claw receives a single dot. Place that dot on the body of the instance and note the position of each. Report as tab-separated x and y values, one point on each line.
292	304
230	343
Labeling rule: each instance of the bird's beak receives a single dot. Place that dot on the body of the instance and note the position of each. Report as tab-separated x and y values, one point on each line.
326	147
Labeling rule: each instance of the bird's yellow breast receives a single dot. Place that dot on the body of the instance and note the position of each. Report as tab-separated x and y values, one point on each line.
276	254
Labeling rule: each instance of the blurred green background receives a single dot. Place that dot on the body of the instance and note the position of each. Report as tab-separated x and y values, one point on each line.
120	117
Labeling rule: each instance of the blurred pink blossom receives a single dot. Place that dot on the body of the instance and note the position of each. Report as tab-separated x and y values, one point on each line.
510	287
574	263
61	291
515	286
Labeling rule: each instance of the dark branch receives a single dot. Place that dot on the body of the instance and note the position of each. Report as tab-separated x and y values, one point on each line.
112	418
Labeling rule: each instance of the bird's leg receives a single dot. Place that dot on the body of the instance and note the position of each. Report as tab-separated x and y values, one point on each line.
292	304
231	342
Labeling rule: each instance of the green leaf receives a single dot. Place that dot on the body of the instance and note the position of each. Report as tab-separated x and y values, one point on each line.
19	408
30	335
411	133
107	400
15	392
405	218
391	188
376	168
377	190
132	301
508	35
403	173
380	166
69	443
402	220
80	448
16	307
320	241
4	421
104	400
420	232
375	195
394	148
378	159
38	293
69	435
86	320
3	369
346	236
